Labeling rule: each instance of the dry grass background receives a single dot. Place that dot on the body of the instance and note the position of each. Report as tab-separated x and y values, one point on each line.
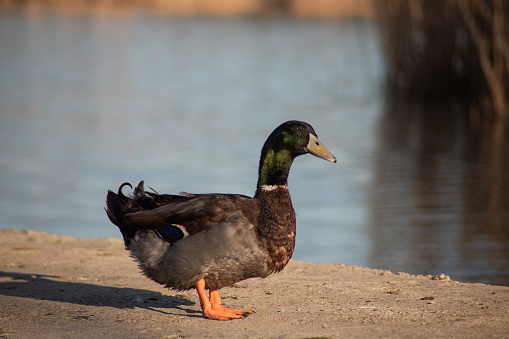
300	8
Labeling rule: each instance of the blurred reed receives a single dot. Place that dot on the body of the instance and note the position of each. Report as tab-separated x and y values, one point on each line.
440	49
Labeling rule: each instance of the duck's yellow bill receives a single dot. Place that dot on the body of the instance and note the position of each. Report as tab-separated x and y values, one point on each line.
316	148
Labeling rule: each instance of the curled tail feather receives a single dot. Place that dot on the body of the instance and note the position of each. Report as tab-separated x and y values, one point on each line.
117	206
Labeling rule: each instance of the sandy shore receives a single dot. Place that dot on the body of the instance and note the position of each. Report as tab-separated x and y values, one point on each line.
58	286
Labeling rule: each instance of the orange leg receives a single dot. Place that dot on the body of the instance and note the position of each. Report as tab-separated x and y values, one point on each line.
212	308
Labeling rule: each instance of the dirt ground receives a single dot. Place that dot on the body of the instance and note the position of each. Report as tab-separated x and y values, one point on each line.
62	287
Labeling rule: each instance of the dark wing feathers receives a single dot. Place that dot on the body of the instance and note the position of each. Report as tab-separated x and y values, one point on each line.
194	212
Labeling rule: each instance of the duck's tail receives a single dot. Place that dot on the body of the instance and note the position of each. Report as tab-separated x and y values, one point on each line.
118	205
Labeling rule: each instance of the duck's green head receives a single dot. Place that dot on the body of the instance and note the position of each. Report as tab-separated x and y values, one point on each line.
285	143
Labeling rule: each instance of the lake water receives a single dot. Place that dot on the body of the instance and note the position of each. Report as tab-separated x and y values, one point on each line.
88	101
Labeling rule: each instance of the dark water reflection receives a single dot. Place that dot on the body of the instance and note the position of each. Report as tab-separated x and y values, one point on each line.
440	196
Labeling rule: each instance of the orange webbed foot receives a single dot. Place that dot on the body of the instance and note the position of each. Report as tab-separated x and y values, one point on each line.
215	302
212	308
210	313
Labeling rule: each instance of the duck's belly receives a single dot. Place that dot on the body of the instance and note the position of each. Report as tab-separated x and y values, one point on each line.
222	255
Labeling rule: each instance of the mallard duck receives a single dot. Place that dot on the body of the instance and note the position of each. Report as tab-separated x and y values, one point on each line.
209	241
